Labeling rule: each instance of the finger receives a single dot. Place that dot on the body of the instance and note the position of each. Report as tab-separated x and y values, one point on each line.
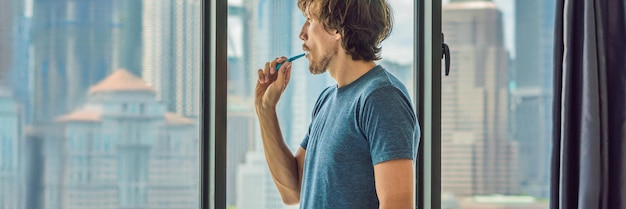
288	73
282	75
275	62
267	71
261	76
273	65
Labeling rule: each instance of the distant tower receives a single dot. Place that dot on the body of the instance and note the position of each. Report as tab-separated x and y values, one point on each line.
479	156
72	49
129	38
532	93
12	189
171	54
6	36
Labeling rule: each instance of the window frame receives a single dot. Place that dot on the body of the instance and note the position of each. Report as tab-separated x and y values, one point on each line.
213	105
427	72
428	52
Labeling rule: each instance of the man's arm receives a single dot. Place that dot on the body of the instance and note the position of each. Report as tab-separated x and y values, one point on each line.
394	184
286	169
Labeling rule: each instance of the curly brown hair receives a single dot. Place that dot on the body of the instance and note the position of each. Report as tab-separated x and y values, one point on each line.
363	24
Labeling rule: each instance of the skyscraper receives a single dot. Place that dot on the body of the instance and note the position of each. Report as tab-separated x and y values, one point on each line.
12	191
17	78
129	36
532	93
171	53
477	155
6	35
73	49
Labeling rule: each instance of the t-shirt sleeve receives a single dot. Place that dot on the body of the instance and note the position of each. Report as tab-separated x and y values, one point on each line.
305	141
390	125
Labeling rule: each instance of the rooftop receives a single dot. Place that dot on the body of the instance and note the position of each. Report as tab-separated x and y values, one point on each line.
80	115
121	80
174	119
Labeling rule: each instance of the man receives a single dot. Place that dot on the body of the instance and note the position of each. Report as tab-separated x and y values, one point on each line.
358	152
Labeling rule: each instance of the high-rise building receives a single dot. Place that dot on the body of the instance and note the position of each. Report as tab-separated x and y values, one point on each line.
240	132
478	156
255	188
12	190
17	78
128	19
122	149
6	35
531	93
72	49
171	53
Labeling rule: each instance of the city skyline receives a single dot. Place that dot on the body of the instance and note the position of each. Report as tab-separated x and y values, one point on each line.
57	50
478	156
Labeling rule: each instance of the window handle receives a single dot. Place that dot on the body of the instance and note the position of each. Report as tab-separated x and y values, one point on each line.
445	54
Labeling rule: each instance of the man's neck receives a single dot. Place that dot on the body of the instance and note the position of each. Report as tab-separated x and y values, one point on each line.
345	70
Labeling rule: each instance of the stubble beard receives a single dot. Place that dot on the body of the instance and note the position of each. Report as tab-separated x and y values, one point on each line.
319	67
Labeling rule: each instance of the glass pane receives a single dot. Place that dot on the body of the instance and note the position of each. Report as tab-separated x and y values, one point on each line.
259	31
496	104
99	103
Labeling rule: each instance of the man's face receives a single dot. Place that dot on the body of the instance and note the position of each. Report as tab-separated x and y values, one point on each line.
320	45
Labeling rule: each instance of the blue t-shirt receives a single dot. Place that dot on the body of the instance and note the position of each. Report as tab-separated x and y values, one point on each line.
353	128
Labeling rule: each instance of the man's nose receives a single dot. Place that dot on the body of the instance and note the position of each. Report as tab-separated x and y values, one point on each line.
303	36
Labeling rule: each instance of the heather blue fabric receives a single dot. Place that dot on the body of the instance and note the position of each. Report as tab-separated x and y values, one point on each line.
353	128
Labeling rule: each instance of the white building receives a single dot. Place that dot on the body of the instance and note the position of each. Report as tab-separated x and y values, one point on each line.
121	149
255	188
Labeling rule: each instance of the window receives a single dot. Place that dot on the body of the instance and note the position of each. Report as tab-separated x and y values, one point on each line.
86	89
496	104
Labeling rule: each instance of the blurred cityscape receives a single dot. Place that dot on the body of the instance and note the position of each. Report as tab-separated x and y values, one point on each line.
99	101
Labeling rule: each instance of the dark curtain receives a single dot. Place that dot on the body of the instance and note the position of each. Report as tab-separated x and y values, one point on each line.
589	122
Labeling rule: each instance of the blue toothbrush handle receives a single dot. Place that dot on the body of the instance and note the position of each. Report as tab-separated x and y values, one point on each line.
280	64
291	59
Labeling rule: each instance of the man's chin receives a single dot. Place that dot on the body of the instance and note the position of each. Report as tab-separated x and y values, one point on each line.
317	71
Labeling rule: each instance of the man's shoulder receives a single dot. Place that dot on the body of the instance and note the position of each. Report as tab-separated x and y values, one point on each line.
382	82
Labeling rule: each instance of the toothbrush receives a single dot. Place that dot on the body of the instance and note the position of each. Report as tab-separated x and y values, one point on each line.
291	59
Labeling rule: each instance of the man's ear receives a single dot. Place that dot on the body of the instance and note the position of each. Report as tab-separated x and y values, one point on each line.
337	35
